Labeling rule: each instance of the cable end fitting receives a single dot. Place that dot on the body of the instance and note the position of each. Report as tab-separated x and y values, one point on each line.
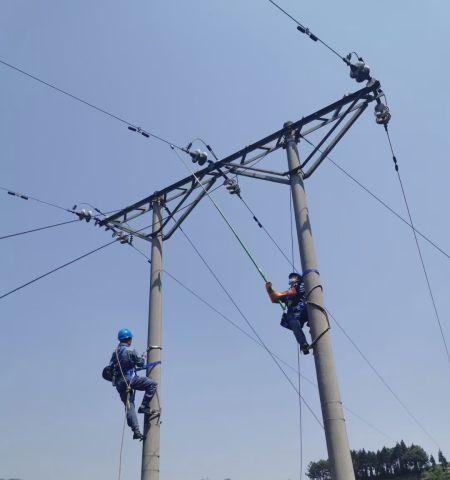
307	31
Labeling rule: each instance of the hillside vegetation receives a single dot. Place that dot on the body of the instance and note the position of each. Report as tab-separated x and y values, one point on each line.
400	461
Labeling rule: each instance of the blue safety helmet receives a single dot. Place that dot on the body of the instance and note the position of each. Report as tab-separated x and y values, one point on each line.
124	334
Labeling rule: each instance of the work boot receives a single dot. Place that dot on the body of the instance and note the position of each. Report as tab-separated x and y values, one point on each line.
146	410
305	349
137	435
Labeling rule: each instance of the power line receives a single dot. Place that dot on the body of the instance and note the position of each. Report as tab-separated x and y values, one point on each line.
24	196
211	271
301	28
38	229
257	342
29	197
381	202
419	251
56	269
260	225
224	218
145	133
383	381
247	321
239	195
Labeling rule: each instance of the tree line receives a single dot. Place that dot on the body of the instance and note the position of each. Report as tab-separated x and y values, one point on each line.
386	463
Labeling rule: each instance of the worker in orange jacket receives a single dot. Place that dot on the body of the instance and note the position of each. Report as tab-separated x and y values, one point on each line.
295	316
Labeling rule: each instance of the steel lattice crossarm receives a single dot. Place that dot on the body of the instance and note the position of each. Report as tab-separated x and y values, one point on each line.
340	116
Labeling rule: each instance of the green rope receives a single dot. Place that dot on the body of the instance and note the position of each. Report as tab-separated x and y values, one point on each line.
246	250
233	230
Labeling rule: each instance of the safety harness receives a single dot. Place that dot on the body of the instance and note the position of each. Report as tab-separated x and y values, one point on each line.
128	384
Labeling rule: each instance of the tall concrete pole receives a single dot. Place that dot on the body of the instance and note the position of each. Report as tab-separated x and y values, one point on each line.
333	415
150	448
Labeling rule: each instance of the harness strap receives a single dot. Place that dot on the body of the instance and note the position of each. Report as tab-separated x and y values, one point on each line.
129	389
319	307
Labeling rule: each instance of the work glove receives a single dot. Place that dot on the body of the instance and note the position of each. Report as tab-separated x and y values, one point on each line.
269	287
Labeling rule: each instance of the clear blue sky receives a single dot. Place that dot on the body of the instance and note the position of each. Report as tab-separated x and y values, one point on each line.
230	72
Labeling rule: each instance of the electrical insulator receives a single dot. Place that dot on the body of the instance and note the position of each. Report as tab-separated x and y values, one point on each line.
382	114
84	215
358	70
232	186
121	237
199	157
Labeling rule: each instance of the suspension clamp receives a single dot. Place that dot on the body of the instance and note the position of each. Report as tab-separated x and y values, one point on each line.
382	113
232	186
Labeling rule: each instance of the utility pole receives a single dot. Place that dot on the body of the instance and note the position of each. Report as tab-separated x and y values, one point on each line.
332	412
150	447
336	118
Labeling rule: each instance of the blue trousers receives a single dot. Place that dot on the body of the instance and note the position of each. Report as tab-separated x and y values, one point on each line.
142	384
296	323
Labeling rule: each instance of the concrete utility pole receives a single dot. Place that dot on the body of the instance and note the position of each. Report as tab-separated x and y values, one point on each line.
150	447
348	109
332	413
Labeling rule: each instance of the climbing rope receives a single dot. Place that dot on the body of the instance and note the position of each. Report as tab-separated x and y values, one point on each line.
127	406
300	412
119	472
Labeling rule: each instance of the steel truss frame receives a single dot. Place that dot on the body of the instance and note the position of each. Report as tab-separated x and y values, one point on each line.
341	115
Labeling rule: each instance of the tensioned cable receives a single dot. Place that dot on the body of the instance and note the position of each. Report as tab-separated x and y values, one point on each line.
61	267
233	230
307	31
342	329
192	244
50	204
214	309
260	225
239	195
29	197
419	251
245	318
57	268
250	325
256	341
38	229
381	378
380	201
78	99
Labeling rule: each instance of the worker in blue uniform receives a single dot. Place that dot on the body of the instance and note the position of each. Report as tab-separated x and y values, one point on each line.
295	316
125	362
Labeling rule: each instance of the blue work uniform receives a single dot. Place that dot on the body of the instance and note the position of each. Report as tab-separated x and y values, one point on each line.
125	361
296	314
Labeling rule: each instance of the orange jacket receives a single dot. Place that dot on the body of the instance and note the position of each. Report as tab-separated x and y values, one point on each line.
275	297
